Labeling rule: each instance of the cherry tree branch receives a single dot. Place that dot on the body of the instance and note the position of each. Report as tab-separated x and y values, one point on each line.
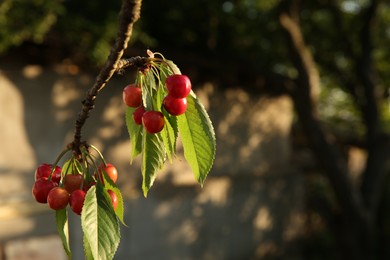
129	14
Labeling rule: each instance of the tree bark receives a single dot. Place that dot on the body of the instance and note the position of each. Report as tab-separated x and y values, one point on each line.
129	14
335	169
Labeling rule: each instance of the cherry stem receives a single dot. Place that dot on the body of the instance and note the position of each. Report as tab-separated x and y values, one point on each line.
139	62
129	14
98	177
85	166
70	164
100	155
163	61
53	167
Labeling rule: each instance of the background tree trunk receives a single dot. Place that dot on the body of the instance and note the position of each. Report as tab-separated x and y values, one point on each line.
359	207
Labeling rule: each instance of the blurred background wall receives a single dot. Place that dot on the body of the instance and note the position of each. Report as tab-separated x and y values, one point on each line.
250	205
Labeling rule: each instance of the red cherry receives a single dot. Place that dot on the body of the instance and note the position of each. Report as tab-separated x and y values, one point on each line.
175	106
76	201
132	96
110	170
73	182
114	199
87	186
137	115
58	198
153	121
179	86
41	189
44	170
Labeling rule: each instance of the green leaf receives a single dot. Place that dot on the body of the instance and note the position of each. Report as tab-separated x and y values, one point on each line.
172	67
77	166
71	166
198	137
63	230
167	68
149	89
169	134
66	167
161	93
87	249
153	157
100	224
110	185
135	133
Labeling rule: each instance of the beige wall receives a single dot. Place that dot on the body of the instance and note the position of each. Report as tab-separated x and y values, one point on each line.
249	206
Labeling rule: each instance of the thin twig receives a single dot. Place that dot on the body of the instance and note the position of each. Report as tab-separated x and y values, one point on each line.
138	62
129	14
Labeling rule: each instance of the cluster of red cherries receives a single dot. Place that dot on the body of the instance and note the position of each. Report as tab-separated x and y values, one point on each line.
175	103
58	191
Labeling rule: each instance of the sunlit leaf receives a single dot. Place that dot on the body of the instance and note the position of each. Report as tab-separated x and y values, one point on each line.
78	168
169	134
66	167
198	138
153	157
161	93
63	230
100	224
135	133
172	67
110	185
87	249
149	89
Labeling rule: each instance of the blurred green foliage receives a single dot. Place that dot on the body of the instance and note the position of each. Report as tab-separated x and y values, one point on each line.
88	28
22	20
245	33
